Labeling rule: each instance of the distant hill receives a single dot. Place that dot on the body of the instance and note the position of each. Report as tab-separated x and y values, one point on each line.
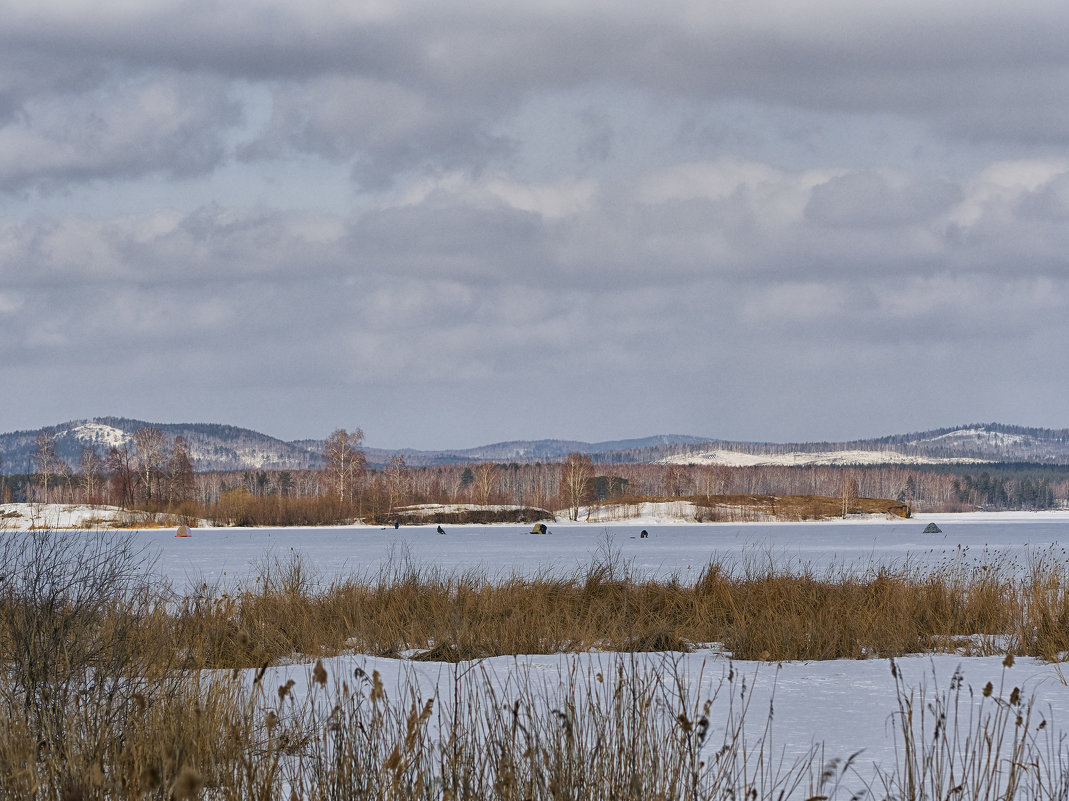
224	447
975	443
544	450
213	446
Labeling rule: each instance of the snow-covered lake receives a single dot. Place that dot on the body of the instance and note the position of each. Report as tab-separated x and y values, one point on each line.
228	556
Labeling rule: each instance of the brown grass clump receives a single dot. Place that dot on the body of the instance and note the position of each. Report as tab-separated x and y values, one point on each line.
754	611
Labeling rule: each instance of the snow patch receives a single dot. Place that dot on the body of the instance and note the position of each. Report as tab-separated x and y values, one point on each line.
729	458
28	516
100	434
981	435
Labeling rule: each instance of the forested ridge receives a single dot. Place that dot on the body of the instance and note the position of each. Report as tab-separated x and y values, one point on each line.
154	469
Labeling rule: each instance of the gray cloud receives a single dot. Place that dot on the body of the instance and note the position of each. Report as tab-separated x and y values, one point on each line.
170	124
382	128
392	90
1049	202
868	199
769	221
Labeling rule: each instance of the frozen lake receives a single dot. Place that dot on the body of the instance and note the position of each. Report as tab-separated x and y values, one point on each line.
232	555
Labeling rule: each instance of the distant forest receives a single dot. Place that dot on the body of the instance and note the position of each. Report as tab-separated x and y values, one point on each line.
154	471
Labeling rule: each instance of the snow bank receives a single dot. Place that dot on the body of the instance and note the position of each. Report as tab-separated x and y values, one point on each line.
27	516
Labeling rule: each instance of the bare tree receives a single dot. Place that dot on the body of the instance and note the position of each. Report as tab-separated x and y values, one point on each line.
848	493
66	475
180	478
485	481
45	456
396	479
576	482
123	477
345	462
90	465
151	444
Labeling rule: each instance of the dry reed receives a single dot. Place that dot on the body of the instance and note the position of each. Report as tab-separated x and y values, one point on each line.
756	612
107	695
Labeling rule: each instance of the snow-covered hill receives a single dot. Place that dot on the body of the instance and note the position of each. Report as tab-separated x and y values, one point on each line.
223	447
212	446
969	444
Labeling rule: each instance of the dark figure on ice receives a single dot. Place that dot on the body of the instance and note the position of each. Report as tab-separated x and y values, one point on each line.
441	530
644	535
396	524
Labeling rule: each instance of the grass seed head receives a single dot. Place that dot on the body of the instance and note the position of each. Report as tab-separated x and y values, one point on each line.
75	791
284	689
188	784
378	691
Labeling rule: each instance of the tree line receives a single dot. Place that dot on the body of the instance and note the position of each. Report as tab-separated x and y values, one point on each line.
156	472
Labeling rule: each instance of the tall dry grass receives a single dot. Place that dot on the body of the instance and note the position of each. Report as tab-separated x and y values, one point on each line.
973	743
616	731
753	611
51	624
115	689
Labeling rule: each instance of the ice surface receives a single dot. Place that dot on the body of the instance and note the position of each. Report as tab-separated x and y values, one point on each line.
231	555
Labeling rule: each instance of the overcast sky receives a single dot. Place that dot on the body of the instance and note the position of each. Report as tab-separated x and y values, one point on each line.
452	223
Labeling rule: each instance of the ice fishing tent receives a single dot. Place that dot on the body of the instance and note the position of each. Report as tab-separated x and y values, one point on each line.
932	528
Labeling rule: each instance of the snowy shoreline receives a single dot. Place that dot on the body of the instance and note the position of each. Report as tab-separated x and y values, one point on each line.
24	516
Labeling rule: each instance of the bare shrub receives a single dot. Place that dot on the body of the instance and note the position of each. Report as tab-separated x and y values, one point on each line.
94	704
73	605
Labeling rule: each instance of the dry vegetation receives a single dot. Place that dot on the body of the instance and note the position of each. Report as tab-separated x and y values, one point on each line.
111	692
241	508
753	611
737	508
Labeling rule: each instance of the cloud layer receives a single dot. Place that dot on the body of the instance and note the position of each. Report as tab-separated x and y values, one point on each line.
468	223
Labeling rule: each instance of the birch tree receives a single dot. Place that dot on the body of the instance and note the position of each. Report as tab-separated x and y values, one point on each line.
151	444
848	493
396	480
345	463
45	457
485	481
90	466
576	482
